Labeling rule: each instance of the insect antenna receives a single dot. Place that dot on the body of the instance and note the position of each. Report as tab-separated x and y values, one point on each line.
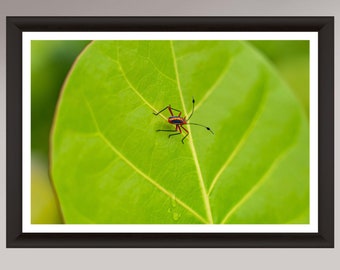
193	107
208	128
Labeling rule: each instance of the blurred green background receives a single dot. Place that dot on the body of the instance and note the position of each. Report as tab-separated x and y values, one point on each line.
52	60
50	63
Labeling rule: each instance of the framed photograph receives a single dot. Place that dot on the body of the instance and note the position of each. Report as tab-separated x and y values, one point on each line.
185	132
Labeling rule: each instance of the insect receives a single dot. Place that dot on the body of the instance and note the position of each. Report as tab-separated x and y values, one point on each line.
179	121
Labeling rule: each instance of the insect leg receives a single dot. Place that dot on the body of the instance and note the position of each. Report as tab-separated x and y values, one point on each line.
177	128
177	111
185	135
167	130
167	107
171	109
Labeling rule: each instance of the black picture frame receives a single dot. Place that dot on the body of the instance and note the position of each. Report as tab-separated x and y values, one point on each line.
324	26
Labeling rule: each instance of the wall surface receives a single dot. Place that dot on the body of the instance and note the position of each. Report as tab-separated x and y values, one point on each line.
161	258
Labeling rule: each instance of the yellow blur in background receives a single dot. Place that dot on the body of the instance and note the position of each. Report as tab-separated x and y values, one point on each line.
44	203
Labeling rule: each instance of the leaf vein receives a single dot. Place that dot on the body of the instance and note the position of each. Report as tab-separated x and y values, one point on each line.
215	84
259	183
240	143
134	89
159	70
136	169
131	86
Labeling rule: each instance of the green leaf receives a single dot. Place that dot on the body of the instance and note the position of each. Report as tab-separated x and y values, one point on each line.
109	165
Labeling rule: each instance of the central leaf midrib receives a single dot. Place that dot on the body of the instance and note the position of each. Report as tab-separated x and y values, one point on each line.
192	146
